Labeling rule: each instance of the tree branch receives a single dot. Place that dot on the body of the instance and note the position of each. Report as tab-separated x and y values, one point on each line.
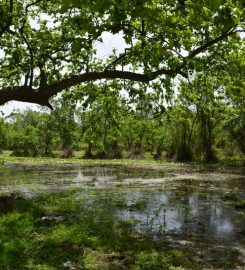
211	42
45	91
31	56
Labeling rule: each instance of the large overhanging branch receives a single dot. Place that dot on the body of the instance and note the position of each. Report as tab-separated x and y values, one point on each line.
42	94
45	91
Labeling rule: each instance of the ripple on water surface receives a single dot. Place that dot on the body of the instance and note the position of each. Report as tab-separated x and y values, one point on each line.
179	203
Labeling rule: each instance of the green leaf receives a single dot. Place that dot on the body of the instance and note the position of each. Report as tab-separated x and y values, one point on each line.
214	4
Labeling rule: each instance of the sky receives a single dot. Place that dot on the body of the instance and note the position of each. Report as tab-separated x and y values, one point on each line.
104	49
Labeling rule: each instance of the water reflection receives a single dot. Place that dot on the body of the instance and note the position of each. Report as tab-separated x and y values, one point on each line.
190	215
180	204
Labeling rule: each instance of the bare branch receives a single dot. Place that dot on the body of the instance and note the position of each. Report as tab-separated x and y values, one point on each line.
211	42
31	56
31	4
45	91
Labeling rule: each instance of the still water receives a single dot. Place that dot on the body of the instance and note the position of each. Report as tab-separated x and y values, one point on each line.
185	205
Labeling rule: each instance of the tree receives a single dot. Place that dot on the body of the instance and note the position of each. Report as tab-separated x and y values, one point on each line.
179	125
23	135
47	133
101	112
233	78
139	124
48	46
3	134
63	119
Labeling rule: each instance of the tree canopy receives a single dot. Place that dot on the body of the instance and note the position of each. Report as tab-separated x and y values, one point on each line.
49	46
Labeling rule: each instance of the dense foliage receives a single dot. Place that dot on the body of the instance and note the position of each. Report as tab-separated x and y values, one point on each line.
49	46
203	121
177	89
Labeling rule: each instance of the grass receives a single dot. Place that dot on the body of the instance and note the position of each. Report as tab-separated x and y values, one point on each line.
60	231
148	160
65	231
6	157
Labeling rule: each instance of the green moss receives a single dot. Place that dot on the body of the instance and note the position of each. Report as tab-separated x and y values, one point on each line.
148	261
229	261
96	260
139	205
16	231
230	197
47	231
6	157
53	230
240	206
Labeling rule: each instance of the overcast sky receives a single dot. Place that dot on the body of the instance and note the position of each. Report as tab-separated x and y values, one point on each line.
104	49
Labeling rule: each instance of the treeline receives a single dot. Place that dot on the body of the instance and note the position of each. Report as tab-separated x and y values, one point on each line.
203	122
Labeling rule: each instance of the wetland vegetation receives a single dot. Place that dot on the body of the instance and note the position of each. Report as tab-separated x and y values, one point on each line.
126	89
119	216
